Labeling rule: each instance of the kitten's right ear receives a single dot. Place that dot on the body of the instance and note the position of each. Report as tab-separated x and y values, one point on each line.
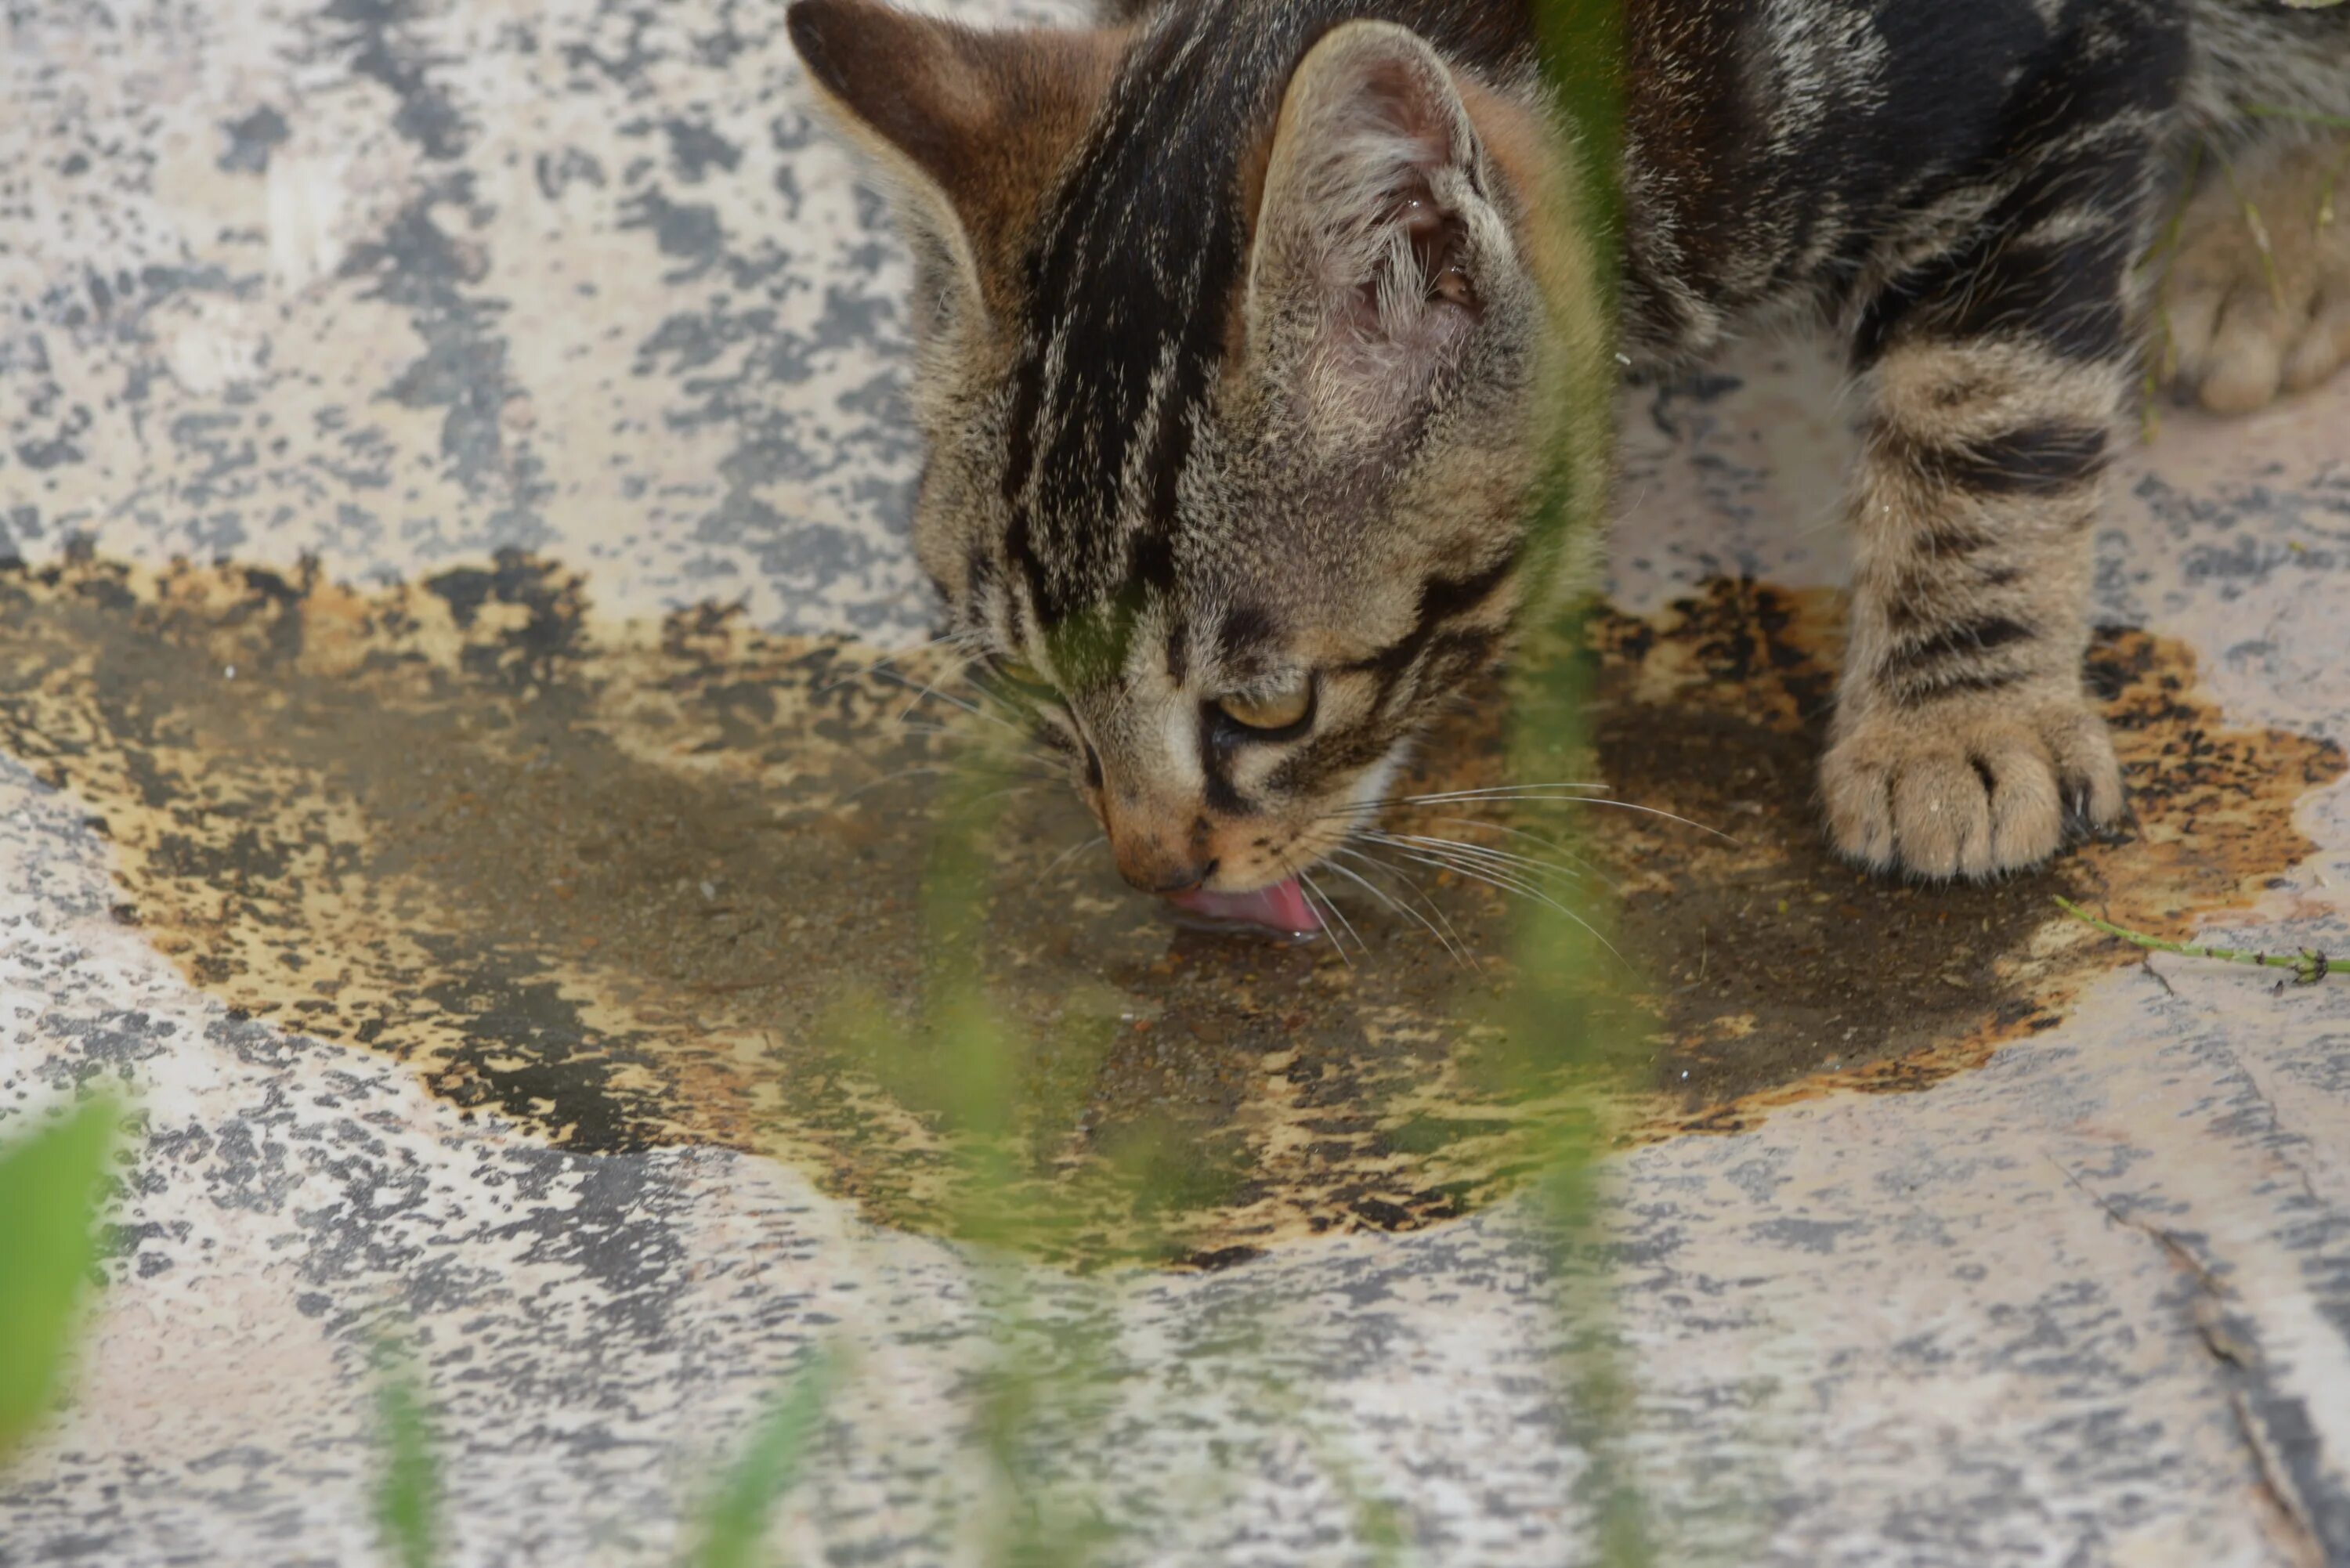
975	125
1375	220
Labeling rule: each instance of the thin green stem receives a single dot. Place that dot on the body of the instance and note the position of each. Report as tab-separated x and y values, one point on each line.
734	1521
2259	228
2300	115
2308	966
407	1492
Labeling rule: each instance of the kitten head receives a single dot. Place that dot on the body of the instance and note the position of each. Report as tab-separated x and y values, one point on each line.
1239	360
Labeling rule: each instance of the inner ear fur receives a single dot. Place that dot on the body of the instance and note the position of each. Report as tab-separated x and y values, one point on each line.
974	125
1365	179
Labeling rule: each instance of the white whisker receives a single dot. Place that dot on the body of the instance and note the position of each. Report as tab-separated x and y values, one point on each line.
887	661
929	689
1505	794
1309	885
1512	884
987	749
1419	891
994	794
1385	801
1389	899
1064	858
960	769
1527	864
1581	864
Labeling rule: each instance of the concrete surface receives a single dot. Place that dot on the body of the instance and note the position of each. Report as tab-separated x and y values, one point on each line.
399	284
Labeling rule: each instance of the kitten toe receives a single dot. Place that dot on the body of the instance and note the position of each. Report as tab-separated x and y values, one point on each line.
2245	362
2190	311
2088	775
1856	794
2027	811
2325	346
1942	816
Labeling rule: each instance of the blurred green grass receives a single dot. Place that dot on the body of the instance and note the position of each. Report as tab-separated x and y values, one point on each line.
408	1494
51	1181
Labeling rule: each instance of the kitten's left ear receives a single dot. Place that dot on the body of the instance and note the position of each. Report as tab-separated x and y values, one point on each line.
1375	215
972	125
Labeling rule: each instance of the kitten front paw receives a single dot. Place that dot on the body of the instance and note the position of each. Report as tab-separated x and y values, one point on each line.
2258	302
1968	787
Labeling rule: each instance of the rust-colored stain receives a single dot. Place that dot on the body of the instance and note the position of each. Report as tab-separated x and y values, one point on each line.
636	883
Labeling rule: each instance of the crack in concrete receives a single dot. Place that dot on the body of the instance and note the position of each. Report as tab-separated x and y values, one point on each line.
2232	1345
2297	1535
2277	1129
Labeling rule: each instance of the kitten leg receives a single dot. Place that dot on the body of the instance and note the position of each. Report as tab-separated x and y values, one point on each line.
2242	320
1963	744
1962	738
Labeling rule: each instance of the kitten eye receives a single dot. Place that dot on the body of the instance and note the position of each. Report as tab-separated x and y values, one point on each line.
1277	709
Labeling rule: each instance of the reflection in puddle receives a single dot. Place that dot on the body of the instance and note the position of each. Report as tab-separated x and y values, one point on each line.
613	881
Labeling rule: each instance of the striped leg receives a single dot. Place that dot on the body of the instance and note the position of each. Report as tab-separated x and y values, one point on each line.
1963	743
1962	738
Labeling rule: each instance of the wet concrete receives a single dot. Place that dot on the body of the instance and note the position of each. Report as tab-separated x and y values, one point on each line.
636	883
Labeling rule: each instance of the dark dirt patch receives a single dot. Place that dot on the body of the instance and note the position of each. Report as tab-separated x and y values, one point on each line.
630	885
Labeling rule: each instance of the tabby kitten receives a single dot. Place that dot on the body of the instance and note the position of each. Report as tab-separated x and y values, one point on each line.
1249	330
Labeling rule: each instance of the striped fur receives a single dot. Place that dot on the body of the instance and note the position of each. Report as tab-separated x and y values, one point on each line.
1250	330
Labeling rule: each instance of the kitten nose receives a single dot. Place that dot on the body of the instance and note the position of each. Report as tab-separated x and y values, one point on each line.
1160	847
1160	868
1180	881
1157	863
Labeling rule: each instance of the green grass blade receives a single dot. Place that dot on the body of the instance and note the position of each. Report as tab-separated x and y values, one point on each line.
50	1184
408	1494
736	1524
2300	115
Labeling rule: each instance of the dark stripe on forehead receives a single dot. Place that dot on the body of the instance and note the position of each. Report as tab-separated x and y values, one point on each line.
1150	561
1129	282
1245	630
1141	245
1179	649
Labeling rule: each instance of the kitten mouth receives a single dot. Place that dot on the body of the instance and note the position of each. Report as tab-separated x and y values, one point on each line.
1280	908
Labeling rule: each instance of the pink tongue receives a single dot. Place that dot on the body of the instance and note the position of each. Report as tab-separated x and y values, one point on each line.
1280	908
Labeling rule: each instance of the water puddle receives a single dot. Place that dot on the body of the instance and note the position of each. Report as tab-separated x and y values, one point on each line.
613	880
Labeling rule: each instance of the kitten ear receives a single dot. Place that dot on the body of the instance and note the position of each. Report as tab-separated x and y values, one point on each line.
971	124
1374	220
